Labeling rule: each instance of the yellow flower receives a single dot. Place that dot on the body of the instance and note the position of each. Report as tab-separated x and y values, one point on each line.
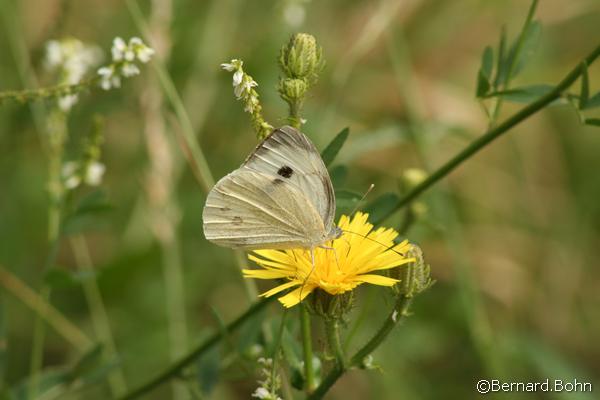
349	261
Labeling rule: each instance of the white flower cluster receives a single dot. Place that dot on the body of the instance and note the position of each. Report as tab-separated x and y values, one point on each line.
74	173
123	64
72	59
267	388
243	85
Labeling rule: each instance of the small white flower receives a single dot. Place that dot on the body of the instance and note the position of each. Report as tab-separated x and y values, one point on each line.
130	70
261	393
118	49
54	54
235	64
70	174
145	53
237	77
67	102
95	172
395	316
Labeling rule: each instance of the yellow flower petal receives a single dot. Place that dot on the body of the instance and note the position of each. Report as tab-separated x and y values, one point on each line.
378	280
279	288
348	263
296	296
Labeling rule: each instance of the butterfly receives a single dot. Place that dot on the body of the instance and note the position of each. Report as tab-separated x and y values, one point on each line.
281	197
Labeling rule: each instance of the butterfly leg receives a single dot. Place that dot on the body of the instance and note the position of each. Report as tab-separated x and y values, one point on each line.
312	259
337	262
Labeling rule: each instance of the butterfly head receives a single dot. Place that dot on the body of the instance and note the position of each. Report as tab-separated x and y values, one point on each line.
334	233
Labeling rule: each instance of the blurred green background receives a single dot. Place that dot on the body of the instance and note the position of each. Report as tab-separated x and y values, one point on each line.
512	236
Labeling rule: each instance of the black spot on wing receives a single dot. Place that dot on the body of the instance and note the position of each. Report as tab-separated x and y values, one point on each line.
277	181
285	171
237	220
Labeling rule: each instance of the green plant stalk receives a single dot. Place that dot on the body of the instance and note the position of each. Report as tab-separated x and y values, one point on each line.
477	320
196	158
276	346
493	134
199	160
399	312
100	321
498	105
309	371
176	368
294	118
332	328
57	133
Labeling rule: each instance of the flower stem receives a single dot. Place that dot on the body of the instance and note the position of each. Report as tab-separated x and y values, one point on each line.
176	368
332	327
398	313
493	134
309	372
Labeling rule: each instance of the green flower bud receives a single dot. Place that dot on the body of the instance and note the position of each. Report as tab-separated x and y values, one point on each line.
412	177
330	307
301	58
415	276
292	90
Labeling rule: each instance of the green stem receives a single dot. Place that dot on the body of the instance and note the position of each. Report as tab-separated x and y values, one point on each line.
493	134
100	321
332	328
28	95
176	368
399	312
276	346
309	371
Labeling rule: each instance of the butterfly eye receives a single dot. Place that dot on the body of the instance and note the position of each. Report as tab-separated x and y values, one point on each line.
285	171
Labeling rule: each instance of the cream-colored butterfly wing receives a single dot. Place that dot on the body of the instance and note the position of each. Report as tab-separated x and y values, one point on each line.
289	155
281	197
250	210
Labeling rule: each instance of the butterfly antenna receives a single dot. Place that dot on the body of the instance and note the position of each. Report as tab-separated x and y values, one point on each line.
362	198
391	248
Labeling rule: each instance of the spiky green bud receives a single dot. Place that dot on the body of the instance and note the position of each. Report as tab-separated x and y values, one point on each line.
301	58
415	276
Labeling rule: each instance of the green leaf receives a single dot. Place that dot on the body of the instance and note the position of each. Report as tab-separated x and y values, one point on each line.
501	61
346	200
93	202
381	206
485	72
86	213
87	363
524	94
584	94
593	102
46	380
531	39
483	85
333	148
59	278
592	121
338	175
208	370
250	333
487	62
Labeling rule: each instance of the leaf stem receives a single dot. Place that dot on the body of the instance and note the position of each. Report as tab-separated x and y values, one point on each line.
493	134
176	368
399	312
